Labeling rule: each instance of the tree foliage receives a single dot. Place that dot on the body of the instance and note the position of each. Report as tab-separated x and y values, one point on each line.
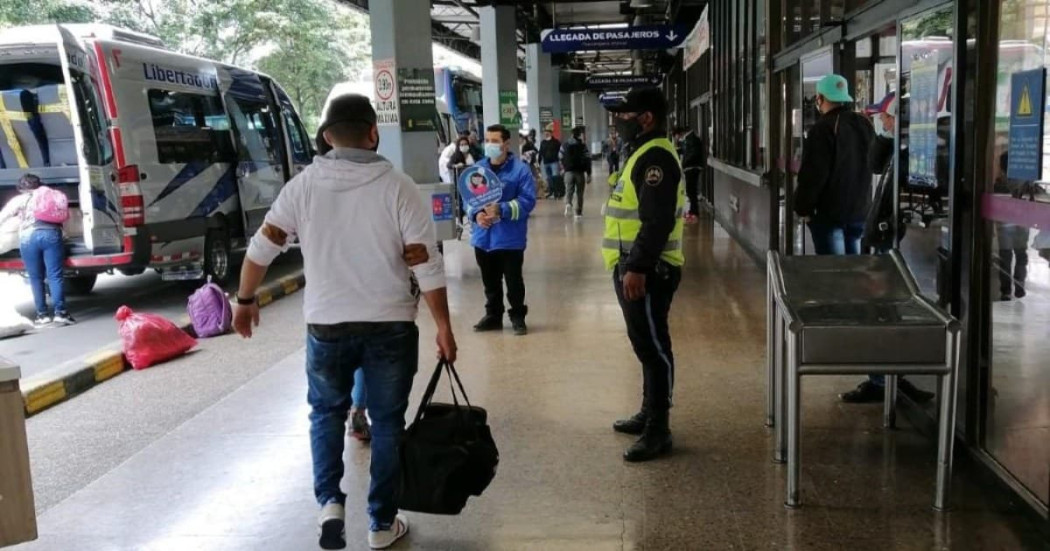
306	45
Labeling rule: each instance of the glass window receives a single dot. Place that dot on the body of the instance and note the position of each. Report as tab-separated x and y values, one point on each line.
97	148
737	77
1016	209
190	128
257	130
300	142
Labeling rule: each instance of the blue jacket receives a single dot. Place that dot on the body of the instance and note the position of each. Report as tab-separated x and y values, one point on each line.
518	200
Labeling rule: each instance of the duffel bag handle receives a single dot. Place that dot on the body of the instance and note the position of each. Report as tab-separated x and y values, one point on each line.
428	395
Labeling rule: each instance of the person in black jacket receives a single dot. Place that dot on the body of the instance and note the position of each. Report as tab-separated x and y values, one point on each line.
691	151
550	153
577	164
834	181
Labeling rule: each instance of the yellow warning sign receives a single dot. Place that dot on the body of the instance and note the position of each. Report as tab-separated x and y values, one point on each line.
1024	106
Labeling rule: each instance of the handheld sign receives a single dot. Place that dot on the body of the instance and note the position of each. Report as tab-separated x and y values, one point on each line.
479	187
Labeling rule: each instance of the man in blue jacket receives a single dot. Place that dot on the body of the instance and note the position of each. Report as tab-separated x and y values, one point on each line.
500	233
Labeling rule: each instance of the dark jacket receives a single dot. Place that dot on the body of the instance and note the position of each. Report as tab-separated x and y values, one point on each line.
549	150
656	176
575	157
834	181
878	226
529	152
692	151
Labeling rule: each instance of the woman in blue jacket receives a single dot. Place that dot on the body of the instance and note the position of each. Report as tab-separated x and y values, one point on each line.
501	232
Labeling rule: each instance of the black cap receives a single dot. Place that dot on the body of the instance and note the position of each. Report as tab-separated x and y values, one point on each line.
348	108
640	100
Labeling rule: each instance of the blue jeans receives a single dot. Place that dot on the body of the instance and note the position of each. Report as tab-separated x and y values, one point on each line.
388	354
358	394
550	171
44	254
836	238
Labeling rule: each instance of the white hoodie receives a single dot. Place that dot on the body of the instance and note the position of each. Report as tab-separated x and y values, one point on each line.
354	213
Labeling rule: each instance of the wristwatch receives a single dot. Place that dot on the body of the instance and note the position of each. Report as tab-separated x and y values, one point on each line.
246	301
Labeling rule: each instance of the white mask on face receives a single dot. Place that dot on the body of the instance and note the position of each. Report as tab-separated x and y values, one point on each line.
464	149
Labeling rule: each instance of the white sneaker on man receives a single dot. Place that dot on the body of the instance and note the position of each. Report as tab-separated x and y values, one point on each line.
331	525
382	539
568	209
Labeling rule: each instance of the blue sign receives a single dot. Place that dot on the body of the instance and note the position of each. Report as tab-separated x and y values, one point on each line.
643	37
1027	100
610	99
622	82
441	206
479	187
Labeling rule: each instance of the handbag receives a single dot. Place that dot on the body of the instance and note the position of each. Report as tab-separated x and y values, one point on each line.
447	453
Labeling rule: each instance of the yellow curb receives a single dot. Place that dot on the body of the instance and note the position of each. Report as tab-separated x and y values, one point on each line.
265	297
45	396
290	286
107	366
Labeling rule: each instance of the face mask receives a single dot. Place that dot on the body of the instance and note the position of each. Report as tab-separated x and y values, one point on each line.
628	128
881	131
493	151
464	149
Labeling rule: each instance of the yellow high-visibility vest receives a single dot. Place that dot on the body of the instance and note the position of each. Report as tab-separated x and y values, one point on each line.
622	222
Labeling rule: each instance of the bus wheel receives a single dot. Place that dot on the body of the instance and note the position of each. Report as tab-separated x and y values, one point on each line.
80	285
218	262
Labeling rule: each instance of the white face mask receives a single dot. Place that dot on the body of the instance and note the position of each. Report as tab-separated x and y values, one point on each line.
464	149
880	128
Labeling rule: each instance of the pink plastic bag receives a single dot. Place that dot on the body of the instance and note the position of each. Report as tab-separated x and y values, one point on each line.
150	339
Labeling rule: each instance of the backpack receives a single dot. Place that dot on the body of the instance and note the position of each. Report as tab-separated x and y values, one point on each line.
50	205
210	311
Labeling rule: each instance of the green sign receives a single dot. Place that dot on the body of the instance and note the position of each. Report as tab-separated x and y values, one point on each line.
566	120
508	109
415	96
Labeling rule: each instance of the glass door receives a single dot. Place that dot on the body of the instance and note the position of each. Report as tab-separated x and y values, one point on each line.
1015	211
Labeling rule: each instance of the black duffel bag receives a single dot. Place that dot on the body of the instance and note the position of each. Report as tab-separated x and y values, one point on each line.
447	453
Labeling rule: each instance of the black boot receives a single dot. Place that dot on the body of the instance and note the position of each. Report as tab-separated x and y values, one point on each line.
634	424
491	322
654	442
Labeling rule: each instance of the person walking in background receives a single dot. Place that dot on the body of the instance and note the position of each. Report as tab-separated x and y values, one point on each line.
577	164
1013	239
445	163
369	250
461	157
692	153
43	253
611	151
550	158
879	237
501	233
642	246
834	179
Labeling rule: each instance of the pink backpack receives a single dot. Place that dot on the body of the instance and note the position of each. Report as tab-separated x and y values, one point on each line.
50	205
210	311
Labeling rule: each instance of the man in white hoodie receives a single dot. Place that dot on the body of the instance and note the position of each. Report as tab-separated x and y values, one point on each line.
369	250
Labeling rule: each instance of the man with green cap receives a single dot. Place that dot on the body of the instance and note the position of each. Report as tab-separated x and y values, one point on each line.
834	181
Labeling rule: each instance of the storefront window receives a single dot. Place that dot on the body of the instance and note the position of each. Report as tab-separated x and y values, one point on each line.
738	35
1016	205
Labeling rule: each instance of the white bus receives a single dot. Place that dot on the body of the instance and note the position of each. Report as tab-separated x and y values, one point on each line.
170	161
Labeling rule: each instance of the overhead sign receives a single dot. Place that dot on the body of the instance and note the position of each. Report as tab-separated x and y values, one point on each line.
387	108
622	82
415	91
611	98
643	37
1027	101
508	109
698	42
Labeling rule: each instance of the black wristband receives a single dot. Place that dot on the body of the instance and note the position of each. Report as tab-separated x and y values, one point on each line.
245	301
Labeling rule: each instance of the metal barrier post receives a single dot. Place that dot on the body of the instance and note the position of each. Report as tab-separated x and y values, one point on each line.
889	412
780	426
771	313
946	423
794	414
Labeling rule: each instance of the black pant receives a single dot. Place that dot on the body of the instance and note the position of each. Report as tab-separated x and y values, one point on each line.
575	184
1008	282
692	189
650	334
497	266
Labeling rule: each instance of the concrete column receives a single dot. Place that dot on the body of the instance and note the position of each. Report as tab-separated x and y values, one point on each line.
540	81
499	60
401	32
566	108
594	119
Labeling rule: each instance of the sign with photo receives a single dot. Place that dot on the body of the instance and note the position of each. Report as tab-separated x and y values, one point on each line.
479	187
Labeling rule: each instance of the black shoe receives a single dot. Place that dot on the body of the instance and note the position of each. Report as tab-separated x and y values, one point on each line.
63	318
489	323
917	395
866	392
1005	297
654	442
634	424
1020	292
520	329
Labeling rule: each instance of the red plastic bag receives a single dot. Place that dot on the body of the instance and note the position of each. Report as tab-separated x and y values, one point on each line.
150	339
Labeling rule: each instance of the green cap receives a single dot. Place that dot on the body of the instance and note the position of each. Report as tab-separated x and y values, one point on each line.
834	88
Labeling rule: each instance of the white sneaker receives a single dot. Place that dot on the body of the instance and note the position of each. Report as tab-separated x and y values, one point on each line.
331	525
578	217
386	538
568	209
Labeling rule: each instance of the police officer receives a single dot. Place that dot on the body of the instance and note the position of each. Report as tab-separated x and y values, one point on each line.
642	246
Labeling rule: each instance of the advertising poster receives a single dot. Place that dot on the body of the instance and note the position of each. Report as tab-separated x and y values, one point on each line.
922	126
479	186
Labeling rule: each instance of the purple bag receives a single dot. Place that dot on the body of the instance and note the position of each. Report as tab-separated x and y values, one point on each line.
210	311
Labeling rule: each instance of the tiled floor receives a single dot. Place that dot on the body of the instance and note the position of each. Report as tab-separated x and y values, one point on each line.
237	475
